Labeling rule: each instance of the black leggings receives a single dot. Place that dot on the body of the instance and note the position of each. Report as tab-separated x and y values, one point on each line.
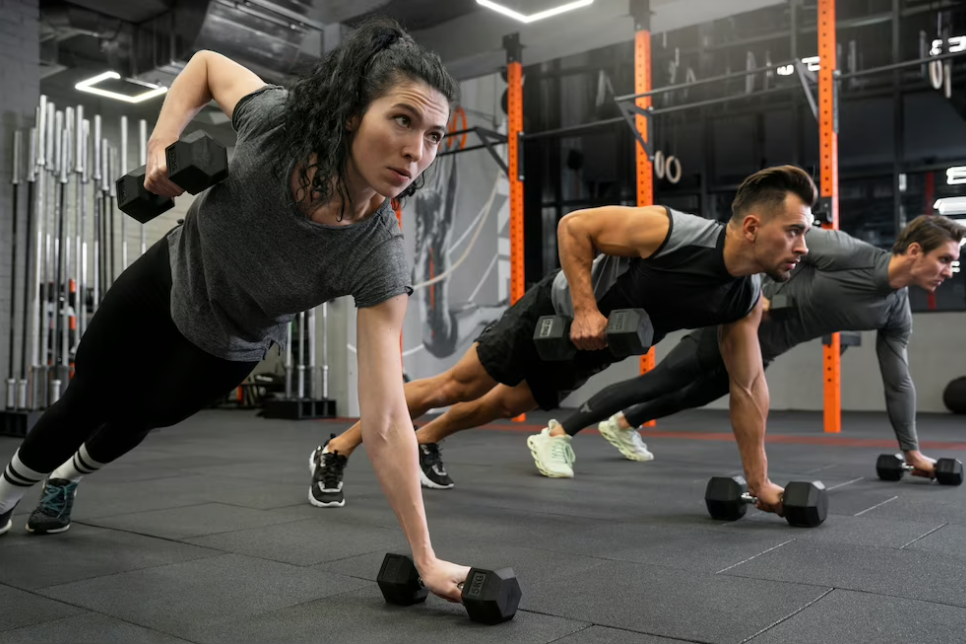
691	375
706	389
134	372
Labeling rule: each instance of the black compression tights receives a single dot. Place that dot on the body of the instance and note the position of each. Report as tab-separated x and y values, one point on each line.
706	389
663	388
134	372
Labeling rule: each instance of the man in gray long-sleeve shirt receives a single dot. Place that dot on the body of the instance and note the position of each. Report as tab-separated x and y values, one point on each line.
841	284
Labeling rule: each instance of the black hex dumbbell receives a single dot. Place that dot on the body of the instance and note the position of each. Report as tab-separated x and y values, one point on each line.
891	467
399	581
846	339
552	338
629	333
489	596
782	302
135	200
195	162
805	503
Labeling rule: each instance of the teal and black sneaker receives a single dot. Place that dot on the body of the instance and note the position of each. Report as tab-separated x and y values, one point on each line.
52	515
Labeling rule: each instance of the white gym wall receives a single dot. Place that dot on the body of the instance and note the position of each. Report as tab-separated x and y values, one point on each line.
795	379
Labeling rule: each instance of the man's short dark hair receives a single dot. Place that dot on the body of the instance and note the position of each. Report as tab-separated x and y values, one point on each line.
767	189
930	232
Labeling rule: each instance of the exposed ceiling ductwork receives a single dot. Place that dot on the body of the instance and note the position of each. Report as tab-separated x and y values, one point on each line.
273	38
151	39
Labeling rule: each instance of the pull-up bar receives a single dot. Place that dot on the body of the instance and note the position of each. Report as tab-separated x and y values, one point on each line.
704	81
629	109
902	65
489	138
573	129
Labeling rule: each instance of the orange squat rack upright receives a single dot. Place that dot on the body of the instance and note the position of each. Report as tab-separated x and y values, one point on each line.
514	55
645	169
829	157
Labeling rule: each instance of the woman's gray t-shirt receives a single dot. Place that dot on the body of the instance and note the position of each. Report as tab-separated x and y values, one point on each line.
245	261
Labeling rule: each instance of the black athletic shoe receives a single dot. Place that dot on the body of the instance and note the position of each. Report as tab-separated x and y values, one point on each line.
327	471
52	515
6	520
432	473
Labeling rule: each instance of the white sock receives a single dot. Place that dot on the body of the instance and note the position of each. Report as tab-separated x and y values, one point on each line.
16	480
76	467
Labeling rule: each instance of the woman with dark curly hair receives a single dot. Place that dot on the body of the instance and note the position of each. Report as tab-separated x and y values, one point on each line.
303	218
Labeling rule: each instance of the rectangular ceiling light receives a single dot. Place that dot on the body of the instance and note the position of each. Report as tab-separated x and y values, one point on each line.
956	176
952	207
814	63
516	15
90	86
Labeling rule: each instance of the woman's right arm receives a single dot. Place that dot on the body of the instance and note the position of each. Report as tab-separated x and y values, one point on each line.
207	76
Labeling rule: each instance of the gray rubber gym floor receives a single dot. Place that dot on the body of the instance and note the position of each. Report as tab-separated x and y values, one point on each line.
204	535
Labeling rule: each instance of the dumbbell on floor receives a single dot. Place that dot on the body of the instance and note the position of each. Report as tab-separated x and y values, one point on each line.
629	333
805	503
489	596
891	467
195	162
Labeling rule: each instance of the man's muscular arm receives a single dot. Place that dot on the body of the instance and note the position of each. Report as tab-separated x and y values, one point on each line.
612	230
749	404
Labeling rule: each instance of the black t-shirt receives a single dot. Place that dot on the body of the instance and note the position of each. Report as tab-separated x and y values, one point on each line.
683	285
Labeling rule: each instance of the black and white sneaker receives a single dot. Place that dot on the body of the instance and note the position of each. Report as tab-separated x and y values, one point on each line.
52	515
432	474
6	520
327	470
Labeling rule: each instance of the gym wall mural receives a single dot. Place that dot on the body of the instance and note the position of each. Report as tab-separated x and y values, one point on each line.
457	238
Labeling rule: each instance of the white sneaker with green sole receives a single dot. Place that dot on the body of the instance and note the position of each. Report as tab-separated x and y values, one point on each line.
628	441
553	455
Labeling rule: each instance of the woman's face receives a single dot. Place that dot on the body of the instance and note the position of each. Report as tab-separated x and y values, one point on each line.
399	136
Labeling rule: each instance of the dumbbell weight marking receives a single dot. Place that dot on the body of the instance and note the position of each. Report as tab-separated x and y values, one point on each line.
492	596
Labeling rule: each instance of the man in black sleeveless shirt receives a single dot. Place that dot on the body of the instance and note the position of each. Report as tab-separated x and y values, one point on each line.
685	271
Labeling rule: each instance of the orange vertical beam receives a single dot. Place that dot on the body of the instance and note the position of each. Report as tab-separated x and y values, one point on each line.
515	105
645	169
515	128
829	156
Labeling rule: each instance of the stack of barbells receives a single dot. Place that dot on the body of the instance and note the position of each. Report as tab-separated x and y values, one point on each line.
68	220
